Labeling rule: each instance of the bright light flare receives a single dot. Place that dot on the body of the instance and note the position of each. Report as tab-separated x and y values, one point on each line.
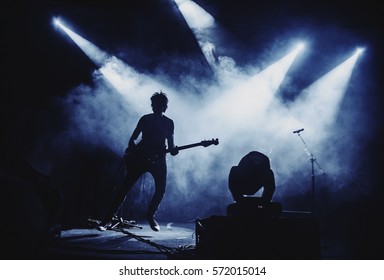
300	46
57	22
359	51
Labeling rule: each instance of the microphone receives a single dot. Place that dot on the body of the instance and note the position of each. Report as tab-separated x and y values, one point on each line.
298	131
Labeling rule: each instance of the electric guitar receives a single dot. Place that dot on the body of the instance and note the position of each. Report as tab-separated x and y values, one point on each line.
136	156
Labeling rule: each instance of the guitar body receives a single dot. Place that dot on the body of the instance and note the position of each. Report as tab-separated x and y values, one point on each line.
137	156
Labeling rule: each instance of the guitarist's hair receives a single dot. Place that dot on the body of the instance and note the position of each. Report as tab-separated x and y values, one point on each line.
160	98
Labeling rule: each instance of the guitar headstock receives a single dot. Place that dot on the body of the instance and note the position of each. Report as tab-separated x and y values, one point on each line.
207	143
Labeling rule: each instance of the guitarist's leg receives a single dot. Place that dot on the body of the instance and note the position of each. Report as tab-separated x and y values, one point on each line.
159	174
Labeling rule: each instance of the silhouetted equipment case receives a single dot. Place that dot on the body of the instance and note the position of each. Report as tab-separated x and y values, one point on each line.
261	232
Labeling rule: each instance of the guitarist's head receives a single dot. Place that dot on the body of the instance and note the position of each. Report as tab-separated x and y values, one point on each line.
159	102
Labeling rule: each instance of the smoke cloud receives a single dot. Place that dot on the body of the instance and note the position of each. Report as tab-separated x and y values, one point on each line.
236	104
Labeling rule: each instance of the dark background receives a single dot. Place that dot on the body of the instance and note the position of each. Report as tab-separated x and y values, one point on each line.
40	67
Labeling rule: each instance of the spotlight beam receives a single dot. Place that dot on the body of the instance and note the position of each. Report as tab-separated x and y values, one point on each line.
94	53
318	104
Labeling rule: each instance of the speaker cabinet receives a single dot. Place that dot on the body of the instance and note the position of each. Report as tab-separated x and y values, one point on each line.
257	237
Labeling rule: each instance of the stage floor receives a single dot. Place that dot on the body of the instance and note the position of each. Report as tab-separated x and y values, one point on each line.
173	241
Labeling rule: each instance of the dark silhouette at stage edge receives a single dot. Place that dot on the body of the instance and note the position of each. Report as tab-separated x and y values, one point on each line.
148	155
32	206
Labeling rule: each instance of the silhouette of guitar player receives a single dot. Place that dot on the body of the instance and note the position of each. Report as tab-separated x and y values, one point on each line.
157	133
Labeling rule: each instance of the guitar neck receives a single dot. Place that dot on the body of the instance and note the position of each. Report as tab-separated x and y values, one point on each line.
186	147
202	143
189	146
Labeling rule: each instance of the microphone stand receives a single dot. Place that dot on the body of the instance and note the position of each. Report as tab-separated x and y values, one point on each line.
313	160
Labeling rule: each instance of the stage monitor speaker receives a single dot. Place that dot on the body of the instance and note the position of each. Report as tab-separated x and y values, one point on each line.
268	238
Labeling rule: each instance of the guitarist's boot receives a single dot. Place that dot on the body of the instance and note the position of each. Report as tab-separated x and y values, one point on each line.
152	223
